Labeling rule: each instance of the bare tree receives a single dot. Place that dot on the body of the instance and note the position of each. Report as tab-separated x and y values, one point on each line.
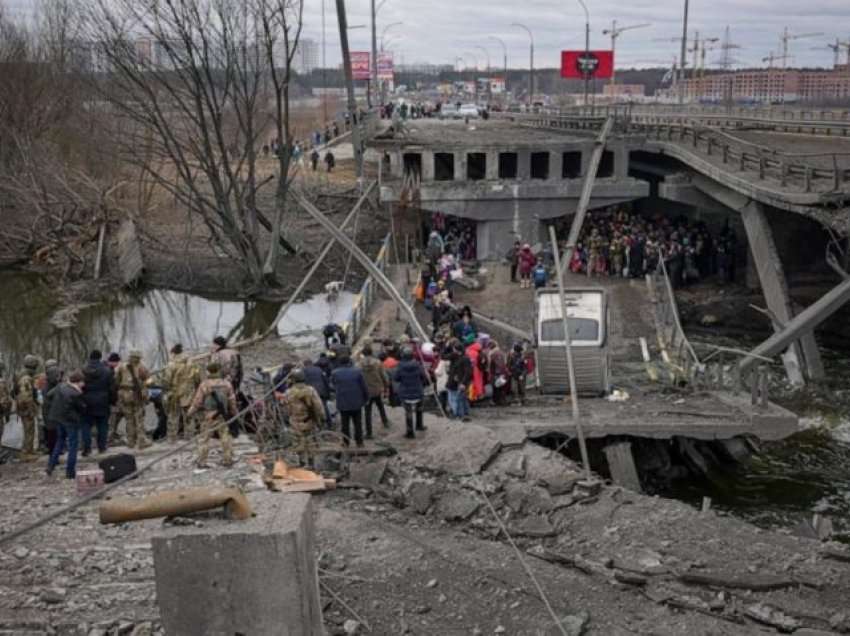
186	79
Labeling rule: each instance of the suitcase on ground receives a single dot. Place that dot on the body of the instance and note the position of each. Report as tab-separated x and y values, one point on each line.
117	466
89	481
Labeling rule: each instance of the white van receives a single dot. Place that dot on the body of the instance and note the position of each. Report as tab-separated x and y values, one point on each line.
587	310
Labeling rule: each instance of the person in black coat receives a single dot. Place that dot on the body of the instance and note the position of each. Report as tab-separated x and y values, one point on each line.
97	393
352	394
409	382
68	407
315	377
53	375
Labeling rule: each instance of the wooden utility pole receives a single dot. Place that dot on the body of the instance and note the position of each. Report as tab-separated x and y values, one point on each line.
568	346
349	84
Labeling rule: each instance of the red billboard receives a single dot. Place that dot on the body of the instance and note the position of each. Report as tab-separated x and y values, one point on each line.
587	64
360	65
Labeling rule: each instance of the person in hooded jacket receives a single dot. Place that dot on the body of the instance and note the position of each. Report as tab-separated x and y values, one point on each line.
409	380
97	395
527	261
53	376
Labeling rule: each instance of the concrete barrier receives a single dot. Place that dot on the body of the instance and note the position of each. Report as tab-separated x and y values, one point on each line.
256	577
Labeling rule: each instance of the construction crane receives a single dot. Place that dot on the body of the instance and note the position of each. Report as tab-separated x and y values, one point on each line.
787	37
615	32
771	58
836	49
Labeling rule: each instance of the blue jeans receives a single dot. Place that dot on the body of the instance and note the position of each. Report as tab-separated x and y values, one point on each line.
458	403
102	423
68	437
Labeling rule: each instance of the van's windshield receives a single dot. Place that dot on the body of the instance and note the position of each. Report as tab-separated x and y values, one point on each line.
581	329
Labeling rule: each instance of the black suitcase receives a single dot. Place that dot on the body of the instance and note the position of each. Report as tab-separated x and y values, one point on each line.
115	467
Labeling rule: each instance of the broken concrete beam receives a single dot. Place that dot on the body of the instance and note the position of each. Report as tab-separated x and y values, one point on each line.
755	582
176	502
258	577
621	464
460	449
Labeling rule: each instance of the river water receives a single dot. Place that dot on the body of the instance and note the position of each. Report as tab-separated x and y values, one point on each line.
152	321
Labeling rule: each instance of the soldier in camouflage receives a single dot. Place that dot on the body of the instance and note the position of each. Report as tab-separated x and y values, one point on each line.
228	360
181	380
306	413
130	380
26	404
5	400
216	398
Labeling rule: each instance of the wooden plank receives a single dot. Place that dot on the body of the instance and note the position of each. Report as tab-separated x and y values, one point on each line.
131	264
101	236
621	463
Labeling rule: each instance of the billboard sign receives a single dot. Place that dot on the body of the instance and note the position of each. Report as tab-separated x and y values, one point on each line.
385	66
360	65
587	64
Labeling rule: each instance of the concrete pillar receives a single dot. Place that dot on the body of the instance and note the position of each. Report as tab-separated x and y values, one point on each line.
621	464
524	164
492	165
427	165
556	165
396	164
586	152
775	289
621	162
254	577
460	165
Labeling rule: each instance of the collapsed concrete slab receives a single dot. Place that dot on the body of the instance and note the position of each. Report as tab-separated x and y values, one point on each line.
254	577
459	449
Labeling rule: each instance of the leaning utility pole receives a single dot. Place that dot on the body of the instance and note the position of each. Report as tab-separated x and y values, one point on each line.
349	84
684	56
374	79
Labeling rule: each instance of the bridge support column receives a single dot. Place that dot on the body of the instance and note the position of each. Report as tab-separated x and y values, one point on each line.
802	357
427	165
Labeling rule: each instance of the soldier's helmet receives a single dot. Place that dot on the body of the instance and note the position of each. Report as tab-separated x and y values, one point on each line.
135	354
50	363
30	361
213	367
296	376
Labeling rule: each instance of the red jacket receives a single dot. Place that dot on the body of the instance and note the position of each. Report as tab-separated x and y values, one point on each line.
527	261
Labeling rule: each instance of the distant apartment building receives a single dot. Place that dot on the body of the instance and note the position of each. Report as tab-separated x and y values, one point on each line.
624	90
306	56
768	85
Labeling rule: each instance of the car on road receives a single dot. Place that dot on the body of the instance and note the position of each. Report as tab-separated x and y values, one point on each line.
449	111
469	110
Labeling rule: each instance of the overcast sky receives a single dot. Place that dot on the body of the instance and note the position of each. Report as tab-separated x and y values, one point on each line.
437	31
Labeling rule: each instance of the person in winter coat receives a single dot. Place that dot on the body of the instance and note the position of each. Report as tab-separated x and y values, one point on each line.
519	370
539	276
460	377
410	379
53	376
67	406
97	394
378	383
513	259
527	261
476	390
352	394
315	377
498	374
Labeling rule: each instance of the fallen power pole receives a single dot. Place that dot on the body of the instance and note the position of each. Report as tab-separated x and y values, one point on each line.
802	323
586	191
364	260
571	370
319	260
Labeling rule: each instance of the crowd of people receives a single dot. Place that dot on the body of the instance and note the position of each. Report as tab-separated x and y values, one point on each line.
66	413
619	243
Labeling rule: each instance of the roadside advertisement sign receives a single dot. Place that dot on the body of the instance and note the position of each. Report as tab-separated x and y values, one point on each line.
360	65
385	66
587	64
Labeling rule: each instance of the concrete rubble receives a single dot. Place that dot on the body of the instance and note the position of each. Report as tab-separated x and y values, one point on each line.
410	544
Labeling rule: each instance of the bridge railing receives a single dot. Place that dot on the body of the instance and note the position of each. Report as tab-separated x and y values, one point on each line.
808	172
791	171
365	298
676	350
